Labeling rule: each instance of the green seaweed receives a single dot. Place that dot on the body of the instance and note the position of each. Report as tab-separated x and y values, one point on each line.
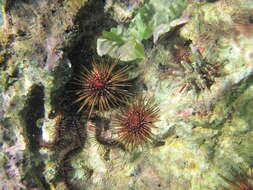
142	26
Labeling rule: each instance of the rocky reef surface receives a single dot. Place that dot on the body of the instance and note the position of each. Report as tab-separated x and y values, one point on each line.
188	64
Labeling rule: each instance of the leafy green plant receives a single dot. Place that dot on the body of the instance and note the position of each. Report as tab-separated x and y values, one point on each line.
125	43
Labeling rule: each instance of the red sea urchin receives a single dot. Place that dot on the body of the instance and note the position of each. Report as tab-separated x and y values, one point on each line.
133	123
103	86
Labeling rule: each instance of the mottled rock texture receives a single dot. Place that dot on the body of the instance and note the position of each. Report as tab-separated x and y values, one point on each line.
193	58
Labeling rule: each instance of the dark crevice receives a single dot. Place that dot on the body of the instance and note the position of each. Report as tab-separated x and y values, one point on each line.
31	113
33	110
85	49
90	22
72	135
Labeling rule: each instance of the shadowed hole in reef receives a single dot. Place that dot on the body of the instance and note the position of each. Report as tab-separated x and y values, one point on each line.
32	111
90	22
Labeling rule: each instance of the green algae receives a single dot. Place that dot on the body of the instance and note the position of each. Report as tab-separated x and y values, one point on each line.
141	28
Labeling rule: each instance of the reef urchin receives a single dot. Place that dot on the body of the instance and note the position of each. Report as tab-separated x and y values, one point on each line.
103	86
197	75
134	122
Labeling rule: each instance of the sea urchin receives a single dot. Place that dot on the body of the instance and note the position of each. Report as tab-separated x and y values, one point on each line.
197	75
134	122
104	86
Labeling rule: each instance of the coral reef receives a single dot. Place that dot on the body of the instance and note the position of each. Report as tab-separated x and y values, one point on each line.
193	59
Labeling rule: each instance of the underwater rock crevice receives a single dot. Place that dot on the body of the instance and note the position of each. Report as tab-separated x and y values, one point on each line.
85	49
68	145
31	113
89	22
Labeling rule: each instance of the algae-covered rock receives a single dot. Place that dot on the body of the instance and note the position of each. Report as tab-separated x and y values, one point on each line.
193	59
